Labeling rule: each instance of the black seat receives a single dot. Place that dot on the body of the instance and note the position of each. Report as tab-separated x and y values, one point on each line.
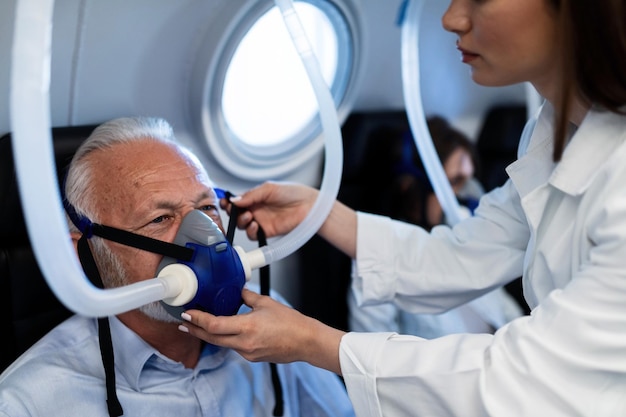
28	309
497	143
367	172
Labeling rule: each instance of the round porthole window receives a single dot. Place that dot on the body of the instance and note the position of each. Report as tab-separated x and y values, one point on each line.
267	98
259	113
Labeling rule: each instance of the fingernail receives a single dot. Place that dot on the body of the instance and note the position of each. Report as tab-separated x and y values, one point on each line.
183	329
236	198
185	316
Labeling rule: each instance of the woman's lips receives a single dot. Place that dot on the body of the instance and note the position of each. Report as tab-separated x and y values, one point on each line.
467	56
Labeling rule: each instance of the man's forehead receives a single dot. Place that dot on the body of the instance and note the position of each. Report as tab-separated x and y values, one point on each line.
145	153
145	165
139	147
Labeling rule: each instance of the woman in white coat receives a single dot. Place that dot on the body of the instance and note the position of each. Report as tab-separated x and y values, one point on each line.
559	222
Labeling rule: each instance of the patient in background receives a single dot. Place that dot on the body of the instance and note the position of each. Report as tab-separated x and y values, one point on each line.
413	200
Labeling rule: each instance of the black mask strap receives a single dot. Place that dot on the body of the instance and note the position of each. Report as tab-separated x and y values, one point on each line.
264	281
104	331
142	242
90	268
232	222
88	229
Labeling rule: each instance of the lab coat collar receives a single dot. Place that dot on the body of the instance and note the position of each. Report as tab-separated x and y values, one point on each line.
534	154
598	137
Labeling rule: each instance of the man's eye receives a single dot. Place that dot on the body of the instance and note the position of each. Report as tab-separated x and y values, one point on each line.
208	207
159	219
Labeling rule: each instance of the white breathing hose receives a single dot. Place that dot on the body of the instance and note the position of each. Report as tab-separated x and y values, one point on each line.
417	118
333	162
36	171
36	174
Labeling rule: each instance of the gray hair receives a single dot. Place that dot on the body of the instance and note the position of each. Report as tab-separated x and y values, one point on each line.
117	131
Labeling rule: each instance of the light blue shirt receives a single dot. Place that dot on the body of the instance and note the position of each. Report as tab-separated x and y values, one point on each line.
62	375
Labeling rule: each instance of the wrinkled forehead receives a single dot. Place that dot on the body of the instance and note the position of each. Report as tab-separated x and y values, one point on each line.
194	161
146	154
145	166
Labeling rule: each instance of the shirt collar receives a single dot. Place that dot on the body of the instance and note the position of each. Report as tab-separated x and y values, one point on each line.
133	355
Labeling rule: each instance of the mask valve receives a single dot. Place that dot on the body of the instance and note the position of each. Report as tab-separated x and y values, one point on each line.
185	284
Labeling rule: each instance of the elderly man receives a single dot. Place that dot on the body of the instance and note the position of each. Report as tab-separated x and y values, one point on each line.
131	175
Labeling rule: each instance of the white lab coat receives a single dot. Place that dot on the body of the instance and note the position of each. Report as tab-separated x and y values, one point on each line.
563	228
484	314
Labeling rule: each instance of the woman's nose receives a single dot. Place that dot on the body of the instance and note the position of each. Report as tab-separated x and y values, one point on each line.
456	18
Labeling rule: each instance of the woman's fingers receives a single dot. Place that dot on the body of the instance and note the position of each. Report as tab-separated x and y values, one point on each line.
236	332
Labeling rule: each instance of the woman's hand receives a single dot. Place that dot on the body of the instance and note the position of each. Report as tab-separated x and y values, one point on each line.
280	207
277	207
271	332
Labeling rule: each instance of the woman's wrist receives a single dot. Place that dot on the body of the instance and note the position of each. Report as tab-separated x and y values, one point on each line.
321	347
339	229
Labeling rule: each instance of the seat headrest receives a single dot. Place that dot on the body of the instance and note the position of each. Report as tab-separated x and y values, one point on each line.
65	142
28	309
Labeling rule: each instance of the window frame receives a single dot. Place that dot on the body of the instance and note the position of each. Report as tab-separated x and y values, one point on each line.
252	162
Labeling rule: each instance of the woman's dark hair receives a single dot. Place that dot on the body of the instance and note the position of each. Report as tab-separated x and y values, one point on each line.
593	45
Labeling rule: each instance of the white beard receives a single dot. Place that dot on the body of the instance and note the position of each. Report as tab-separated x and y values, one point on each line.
157	312
114	274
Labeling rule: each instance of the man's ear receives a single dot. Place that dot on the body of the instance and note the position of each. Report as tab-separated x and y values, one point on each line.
75	238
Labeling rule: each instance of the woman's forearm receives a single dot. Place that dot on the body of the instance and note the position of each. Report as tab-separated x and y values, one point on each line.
339	229
322	350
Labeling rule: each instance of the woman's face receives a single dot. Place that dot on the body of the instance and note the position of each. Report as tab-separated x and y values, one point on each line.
506	41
